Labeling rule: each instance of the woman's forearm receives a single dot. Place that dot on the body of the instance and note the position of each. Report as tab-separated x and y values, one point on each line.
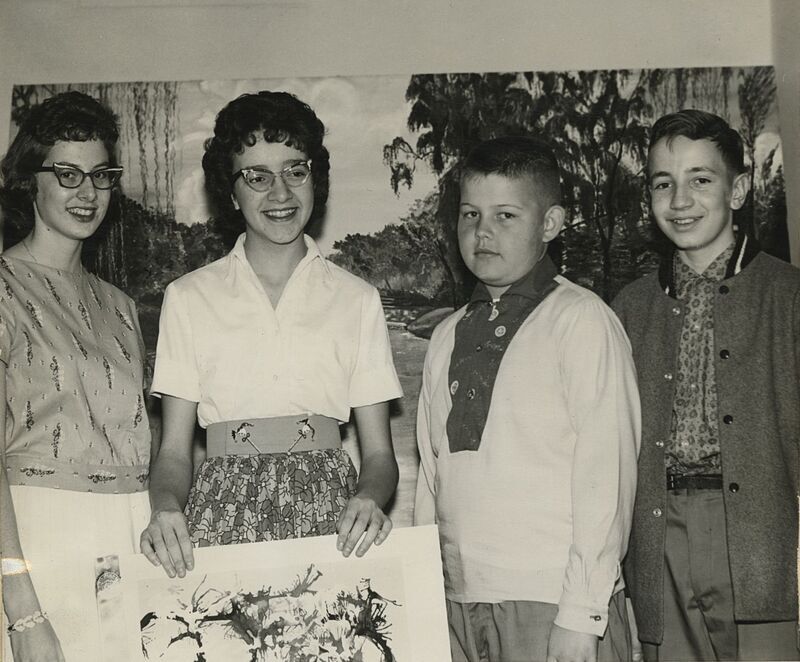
378	477
171	469
170	481
19	596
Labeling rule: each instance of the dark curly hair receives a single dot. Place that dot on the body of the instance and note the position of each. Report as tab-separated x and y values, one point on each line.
69	116
277	117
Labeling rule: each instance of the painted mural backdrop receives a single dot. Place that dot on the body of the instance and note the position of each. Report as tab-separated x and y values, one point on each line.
395	144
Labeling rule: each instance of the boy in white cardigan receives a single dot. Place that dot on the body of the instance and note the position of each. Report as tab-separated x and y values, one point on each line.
528	431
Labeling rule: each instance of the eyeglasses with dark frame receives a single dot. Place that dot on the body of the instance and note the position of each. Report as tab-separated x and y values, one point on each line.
70	176
260	179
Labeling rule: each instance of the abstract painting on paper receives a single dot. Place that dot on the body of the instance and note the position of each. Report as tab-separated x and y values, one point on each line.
296	600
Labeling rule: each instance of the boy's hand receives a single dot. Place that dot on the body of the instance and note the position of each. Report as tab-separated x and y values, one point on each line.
362	516
570	646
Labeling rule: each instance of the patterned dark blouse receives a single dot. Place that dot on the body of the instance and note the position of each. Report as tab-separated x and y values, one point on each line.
75	414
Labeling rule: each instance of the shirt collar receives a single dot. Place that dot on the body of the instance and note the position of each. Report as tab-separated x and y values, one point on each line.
744	250
313	253
529	286
714	272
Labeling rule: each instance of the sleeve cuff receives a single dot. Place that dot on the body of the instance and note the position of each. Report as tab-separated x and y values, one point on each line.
168	379
582	619
373	386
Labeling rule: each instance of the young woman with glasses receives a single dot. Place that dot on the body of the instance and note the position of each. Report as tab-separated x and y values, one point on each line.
270	348
76	441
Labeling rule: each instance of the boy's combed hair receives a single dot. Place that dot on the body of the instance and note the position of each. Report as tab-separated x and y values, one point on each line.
518	156
701	125
275	117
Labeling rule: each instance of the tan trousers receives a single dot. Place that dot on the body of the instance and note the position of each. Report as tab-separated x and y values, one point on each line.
698	594
518	631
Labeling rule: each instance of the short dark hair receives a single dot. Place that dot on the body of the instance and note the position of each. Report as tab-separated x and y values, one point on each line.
276	117
701	125
517	156
67	117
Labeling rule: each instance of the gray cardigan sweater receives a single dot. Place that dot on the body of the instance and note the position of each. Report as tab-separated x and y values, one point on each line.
757	320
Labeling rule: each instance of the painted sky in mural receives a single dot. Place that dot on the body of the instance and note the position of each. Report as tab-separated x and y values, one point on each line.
361	115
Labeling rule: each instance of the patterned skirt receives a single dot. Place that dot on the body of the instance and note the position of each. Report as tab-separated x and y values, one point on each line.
253	498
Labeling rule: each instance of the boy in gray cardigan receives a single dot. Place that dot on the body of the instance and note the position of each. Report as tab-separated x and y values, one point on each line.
711	567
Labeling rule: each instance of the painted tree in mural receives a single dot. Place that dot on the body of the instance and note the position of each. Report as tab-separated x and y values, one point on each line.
402	259
767	205
672	89
595	125
592	119
452	113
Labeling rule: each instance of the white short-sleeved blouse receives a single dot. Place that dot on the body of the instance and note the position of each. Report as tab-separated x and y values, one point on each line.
323	349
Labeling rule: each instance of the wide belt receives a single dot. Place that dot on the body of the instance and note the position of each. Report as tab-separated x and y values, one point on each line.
701	482
281	434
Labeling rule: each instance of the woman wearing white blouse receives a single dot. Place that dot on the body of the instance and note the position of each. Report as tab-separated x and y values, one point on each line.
270	348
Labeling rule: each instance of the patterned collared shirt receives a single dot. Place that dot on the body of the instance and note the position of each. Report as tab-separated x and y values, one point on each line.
694	437
481	339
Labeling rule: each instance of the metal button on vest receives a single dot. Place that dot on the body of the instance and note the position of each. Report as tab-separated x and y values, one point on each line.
657	512
660	444
471	394
724	289
454	387
734	487
727	419
724	354
668	376
676	310
478	348
500	331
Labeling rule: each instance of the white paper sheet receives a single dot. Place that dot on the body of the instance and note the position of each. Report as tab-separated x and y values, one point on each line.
297	600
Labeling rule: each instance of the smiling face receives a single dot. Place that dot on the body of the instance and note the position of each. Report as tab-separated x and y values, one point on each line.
693	194
502	228
279	215
71	213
